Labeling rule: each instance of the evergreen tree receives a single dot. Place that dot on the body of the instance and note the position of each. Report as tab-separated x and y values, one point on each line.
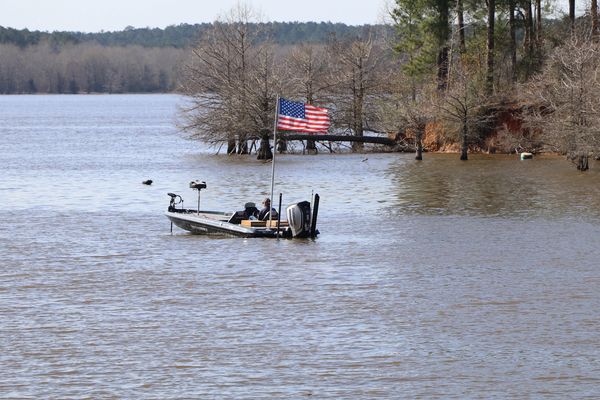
414	39
423	27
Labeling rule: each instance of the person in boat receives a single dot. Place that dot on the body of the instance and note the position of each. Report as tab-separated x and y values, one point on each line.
250	212
263	215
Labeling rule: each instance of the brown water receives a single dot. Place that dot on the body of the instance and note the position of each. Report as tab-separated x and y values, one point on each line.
439	279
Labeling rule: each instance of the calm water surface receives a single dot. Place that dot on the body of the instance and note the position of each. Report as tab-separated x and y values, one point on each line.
439	279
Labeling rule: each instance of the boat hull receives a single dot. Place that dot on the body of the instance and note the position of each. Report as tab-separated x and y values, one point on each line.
215	223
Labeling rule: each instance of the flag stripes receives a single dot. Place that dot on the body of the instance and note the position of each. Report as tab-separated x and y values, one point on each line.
300	117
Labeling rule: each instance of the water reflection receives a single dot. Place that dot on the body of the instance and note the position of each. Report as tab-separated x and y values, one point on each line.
498	185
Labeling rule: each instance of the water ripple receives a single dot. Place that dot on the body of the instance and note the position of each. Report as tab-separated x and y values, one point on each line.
438	279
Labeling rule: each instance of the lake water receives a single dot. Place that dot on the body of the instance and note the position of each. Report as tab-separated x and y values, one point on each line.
433	279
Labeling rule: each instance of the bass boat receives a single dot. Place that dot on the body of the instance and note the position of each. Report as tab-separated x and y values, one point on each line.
301	219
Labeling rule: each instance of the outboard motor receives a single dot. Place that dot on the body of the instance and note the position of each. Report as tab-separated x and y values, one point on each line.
299	219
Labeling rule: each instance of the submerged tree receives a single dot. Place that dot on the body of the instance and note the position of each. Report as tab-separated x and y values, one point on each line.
264	85
230	83
307	77
356	75
407	115
463	108
566	98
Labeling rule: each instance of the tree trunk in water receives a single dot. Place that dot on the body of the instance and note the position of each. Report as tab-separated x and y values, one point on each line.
461	26
583	163
358	146
572	15
490	47
281	146
264	151
513	40
311	147
419	144
464	147
231	146
242	145
594	13
358	116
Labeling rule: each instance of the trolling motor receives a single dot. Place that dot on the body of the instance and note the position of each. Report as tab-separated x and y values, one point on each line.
175	200
198	185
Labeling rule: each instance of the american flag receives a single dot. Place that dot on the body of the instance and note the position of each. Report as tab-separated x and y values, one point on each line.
294	116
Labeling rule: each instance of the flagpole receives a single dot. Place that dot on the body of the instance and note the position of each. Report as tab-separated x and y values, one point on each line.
273	159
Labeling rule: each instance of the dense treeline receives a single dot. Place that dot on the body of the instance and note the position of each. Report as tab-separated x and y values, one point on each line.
132	60
457	74
88	68
183	35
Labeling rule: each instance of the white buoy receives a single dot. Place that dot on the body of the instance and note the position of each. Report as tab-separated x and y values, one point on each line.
526	156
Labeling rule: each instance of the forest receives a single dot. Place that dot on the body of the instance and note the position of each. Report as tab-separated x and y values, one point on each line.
72	62
133	60
453	75
182	35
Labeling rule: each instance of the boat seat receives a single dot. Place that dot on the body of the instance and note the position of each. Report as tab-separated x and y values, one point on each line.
236	218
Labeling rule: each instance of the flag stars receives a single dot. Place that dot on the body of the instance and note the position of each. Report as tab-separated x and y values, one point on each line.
291	108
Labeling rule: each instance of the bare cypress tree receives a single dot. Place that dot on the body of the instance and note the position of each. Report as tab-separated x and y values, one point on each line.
229	83
463	107
263	93
212	84
355	76
565	98
407	116
307	67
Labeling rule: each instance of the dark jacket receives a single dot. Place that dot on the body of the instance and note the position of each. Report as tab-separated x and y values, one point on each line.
250	212
263	215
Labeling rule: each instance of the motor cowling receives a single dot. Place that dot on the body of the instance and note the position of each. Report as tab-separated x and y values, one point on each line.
298	216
